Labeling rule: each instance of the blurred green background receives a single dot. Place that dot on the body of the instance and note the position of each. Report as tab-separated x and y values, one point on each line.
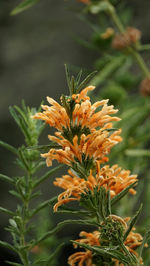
33	49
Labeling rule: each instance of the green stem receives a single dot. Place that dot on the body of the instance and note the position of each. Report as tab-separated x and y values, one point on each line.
144	47
131	262
141	63
24	254
98	217
117	21
131	50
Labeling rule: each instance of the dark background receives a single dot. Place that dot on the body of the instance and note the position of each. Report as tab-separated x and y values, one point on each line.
34	46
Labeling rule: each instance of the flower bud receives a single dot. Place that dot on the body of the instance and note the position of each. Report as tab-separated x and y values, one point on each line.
145	87
107	34
121	41
112	230
134	34
128	38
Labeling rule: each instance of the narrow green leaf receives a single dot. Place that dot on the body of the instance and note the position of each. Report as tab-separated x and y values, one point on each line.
41	127
102	203
122	194
14	115
38	165
20	122
61	225
14	193
133	221
86	80
6	245
25	130
53	255
39	262
47	175
107	70
72	85
64	209
20	164
13	263
145	239
78	77
44	147
6	211
137	152
8	147
108	252
68	78
43	205
65	105
111	129
36	194
23	6
7	178
108	203
23	159
144	47
23	115
131	259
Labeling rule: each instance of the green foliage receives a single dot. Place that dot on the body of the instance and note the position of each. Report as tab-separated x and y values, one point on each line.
24	187
133	222
145	239
74	84
119	86
111	232
106	253
107	70
23	6
120	195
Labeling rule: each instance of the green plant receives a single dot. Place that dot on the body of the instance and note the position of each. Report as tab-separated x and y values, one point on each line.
26	188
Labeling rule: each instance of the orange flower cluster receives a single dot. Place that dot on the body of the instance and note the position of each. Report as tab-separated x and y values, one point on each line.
111	178
95	145
93	126
85	257
132	242
84	138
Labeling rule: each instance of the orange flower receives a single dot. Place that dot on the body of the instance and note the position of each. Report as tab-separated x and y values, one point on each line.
111	178
84	113
83	132
85	257
94	146
132	241
56	115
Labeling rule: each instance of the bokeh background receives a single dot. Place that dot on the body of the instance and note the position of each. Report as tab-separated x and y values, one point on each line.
34	46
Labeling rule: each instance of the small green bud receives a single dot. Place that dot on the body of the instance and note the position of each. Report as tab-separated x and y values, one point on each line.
112	230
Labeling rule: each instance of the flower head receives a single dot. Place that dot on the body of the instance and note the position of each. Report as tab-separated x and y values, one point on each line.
94	146
111	178
132	242
84	129
84	113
